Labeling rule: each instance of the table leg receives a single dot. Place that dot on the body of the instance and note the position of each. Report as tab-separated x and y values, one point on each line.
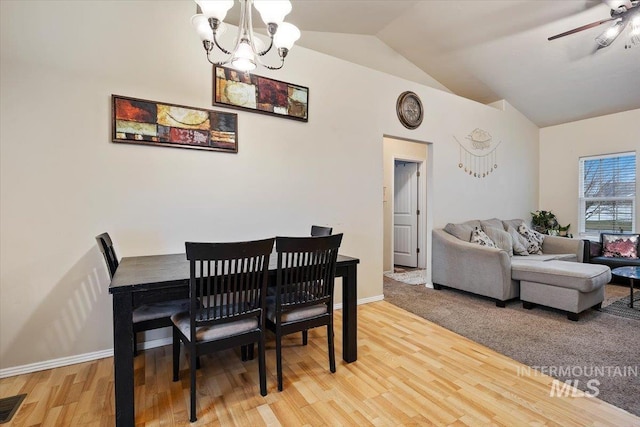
123	358
631	295
349	314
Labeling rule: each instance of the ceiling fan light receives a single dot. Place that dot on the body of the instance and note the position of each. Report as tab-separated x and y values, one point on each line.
635	25
610	34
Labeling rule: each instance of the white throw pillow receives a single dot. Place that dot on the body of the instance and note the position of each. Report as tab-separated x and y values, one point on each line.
519	242
480	237
501	238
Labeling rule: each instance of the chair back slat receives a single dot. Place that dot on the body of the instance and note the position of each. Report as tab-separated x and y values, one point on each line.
306	271
227	281
319	230
108	252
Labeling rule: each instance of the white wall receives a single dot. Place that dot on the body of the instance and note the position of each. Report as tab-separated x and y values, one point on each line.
63	181
562	146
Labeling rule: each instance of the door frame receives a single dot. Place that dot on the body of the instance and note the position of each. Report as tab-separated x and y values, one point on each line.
422	206
390	153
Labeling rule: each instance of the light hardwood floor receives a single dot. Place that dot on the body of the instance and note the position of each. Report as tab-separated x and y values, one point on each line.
409	372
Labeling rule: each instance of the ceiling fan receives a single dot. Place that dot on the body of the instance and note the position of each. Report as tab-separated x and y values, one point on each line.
623	13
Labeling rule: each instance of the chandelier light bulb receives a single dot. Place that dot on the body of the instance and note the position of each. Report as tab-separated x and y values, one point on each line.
215	8
272	11
243	58
201	24
286	35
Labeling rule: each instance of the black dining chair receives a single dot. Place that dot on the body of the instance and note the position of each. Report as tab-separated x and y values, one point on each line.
148	316
227	288
304	290
319	230
316	231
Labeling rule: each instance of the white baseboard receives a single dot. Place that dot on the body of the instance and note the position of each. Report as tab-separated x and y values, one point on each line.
88	357
55	363
367	300
429	285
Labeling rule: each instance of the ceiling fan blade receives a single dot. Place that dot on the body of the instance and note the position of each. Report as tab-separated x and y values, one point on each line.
584	27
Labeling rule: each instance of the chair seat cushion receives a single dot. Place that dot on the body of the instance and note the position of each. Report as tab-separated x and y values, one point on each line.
159	310
213	332
295	315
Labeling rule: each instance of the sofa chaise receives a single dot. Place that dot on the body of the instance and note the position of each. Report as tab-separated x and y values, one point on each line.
556	277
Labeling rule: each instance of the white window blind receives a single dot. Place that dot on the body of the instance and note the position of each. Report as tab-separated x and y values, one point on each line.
607	193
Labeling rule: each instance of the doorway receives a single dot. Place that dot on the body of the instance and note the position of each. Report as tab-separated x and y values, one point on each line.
406	193
418	155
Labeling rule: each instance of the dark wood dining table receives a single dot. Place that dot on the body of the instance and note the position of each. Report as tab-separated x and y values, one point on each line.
145	279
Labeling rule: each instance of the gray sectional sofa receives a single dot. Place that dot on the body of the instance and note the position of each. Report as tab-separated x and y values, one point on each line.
555	278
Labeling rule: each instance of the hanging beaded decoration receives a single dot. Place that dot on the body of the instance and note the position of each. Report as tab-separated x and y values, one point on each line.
478	166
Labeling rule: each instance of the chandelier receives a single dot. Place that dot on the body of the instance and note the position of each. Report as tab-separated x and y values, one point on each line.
247	52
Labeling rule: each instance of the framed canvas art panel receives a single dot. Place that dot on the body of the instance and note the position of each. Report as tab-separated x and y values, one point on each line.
251	92
140	121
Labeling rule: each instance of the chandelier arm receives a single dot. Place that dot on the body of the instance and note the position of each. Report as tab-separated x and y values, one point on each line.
241	26
219	46
270	67
264	52
249	31
271	30
216	62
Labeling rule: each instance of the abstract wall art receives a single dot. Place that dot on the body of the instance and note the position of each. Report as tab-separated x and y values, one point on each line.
139	121
247	91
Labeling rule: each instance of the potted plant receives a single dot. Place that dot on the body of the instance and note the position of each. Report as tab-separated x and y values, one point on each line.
564	230
544	221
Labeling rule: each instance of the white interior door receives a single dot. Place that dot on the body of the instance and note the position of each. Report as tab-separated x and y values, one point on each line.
405	214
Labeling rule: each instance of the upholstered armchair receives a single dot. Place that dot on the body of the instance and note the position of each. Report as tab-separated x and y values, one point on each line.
613	250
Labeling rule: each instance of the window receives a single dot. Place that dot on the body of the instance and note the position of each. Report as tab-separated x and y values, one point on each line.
607	193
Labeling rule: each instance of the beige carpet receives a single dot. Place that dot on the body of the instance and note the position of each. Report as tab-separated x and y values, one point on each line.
410	277
540	337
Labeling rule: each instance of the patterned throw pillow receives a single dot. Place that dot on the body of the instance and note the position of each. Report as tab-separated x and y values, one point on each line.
620	246
534	239
480	237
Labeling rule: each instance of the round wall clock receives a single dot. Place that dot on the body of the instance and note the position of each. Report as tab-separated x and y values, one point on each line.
409	109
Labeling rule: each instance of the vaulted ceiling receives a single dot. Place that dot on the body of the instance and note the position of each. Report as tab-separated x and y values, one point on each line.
491	50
